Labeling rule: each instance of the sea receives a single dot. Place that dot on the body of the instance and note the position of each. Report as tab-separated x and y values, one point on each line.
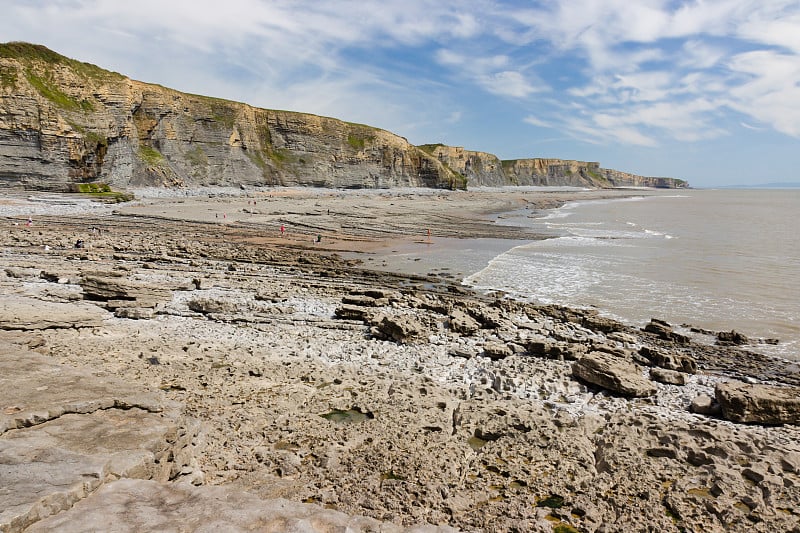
711	259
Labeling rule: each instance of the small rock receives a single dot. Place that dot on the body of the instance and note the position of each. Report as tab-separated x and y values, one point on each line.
664	331
613	373
496	350
731	338
461	322
705	405
669	377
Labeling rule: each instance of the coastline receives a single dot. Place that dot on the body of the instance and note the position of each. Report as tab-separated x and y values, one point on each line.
307	375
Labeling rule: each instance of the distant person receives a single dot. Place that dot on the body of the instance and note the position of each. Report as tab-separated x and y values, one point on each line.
283	230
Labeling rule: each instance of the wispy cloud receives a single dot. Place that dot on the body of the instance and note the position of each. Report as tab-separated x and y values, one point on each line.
535	121
666	70
608	71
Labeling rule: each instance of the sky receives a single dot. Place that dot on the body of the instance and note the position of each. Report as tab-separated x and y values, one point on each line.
703	90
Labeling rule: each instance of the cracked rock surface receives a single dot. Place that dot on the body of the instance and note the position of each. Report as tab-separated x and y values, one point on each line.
276	388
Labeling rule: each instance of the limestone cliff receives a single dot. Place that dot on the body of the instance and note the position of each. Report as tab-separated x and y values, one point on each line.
64	122
566	172
484	169
478	168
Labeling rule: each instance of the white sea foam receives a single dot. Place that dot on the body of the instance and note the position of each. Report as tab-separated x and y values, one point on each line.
724	260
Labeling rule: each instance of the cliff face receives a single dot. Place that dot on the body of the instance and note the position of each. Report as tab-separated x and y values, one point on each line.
478	168
64	122
566	172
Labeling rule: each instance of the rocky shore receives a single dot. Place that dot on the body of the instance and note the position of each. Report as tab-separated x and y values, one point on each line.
190	368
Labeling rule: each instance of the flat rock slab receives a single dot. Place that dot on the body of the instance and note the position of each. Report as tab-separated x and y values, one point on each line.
21	312
47	468
118	291
613	373
64	432
130	505
759	404
36	389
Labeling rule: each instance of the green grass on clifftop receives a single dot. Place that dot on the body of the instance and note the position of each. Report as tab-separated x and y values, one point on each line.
51	91
429	148
28	54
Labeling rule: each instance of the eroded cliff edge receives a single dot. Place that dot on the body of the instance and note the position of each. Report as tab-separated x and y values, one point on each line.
64	122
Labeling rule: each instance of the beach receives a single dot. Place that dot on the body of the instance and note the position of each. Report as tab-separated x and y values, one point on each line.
340	364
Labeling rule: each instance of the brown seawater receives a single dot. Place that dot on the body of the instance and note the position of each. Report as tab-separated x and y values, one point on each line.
714	259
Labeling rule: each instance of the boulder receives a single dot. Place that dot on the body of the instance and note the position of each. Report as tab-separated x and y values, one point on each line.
489	317
497	350
401	328
664	331
669	377
463	323
670	361
760	404
363	300
353	312
555	349
613	373
208	306
731	338
705	405
119	291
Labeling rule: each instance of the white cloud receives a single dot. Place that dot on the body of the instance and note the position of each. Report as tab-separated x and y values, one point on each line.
507	83
697	54
489	73
630	72
455	117
771	91
535	121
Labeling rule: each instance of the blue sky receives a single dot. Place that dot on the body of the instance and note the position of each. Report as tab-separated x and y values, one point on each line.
707	91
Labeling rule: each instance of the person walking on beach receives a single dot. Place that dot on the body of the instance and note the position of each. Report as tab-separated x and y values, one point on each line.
283	230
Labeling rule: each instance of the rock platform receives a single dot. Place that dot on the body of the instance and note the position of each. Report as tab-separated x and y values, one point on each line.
254	386
87	452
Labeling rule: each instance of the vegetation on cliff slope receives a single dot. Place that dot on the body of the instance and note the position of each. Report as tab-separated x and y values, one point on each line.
205	139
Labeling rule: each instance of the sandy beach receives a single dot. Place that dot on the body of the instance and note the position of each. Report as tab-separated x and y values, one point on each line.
342	366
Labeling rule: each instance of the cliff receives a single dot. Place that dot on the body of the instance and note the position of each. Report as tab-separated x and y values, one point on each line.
478	168
64	122
566	172
484	169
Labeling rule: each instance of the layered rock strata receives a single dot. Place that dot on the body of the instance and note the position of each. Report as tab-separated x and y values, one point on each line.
64	123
